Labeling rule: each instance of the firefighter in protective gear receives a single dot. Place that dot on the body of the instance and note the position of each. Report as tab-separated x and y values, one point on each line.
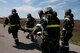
30	24
38	31
52	27
67	31
39	28
14	21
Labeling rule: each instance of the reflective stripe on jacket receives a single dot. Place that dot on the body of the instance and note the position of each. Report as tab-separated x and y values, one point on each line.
15	25
50	26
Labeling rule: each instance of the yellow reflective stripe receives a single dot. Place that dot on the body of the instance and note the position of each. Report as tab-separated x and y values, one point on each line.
15	25
12	25
48	26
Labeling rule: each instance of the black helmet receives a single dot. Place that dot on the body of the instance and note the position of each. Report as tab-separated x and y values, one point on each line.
29	15
68	11
49	9
54	13
13	10
40	13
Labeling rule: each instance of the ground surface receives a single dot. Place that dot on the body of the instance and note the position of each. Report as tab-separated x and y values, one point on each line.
26	46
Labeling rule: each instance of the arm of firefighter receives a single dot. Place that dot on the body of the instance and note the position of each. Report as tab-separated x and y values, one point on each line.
65	23
35	30
19	22
62	34
63	29
24	30
57	19
6	22
73	21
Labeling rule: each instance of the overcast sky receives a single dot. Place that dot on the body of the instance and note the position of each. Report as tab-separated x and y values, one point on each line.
33	6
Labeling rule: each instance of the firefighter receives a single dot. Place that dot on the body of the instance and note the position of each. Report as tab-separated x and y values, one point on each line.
51	42
51	26
30	24
14	21
39	28
67	31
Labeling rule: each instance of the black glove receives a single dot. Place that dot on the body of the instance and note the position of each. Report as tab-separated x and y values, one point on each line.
4	25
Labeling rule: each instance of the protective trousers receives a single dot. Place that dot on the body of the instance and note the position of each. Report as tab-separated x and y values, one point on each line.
65	42
51	42
15	36
30	34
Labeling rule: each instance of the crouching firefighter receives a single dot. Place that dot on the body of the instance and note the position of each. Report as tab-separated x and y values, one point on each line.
39	34
14	21
67	31
39	29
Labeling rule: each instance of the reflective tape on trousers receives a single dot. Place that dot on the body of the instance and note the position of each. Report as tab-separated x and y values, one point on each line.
49	26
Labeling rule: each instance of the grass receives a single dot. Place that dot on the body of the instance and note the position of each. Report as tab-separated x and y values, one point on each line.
76	38
1	21
76	33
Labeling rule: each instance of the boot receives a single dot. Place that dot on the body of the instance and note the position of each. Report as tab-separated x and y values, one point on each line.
17	42
32	38
64	50
27	36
